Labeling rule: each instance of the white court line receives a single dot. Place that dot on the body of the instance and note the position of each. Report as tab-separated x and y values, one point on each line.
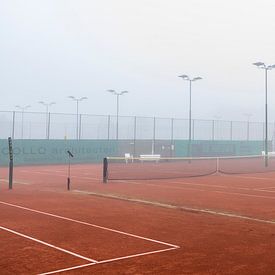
182	207
266	189
202	190
197	184
211	185
59	175
17	182
93	262
228	187
90	224
48	244
247	177
109	261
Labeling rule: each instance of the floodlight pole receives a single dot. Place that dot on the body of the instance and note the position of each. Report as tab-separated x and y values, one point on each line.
266	122
186	77
190	116
117	94
262	65
22	108
77	120
117	111
47	105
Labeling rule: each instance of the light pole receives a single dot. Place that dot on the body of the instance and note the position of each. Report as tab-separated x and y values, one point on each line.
47	105
117	94
248	118
265	67
186	77
22	109
77	120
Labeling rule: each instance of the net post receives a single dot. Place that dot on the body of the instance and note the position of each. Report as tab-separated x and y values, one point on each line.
218	165
68	183
105	170
10	163
70	155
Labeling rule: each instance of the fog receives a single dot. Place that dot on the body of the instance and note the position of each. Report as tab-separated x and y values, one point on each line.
50	50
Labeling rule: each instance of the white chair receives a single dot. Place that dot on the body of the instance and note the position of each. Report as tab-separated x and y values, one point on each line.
128	157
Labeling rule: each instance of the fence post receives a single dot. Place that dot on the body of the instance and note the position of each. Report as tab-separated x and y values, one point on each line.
80	126
231	130
154	135
135	135
13	124
172	137
193	129
48	126
108	134
213	129
248	133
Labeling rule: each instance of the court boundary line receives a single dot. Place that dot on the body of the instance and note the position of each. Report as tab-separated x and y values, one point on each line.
203	190
180	207
110	260
248	177
90	224
92	261
15	181
198	184
48	244
60	175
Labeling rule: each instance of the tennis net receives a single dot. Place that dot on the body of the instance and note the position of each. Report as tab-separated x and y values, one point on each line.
118	168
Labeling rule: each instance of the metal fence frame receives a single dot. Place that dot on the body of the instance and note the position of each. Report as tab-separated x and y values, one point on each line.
41	125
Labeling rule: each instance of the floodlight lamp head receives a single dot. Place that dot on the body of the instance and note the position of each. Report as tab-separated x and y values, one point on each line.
84	97
196	78
111	91
72	97
124	92
259	64
41	102
270	67
184	76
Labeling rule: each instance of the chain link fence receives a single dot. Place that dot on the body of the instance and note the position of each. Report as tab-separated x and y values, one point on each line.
35	125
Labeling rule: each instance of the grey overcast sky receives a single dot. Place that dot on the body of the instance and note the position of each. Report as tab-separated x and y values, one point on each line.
55	48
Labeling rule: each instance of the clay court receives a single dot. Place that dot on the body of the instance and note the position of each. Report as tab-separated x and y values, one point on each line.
218	224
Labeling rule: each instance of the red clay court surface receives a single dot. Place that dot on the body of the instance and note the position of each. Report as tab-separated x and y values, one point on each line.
206	225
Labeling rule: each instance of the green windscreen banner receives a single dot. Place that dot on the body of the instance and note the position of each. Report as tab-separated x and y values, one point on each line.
205	148
28	152
55	151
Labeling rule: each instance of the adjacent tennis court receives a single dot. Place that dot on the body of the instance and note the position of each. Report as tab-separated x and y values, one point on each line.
214	224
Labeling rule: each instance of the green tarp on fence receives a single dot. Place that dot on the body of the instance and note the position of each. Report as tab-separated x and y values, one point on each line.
55	151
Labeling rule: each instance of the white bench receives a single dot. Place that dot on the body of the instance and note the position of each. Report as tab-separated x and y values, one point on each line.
269	153
149	158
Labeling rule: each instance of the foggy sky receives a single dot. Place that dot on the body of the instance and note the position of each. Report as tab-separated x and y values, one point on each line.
56	48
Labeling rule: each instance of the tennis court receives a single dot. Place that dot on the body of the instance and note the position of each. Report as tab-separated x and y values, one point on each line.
215	224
